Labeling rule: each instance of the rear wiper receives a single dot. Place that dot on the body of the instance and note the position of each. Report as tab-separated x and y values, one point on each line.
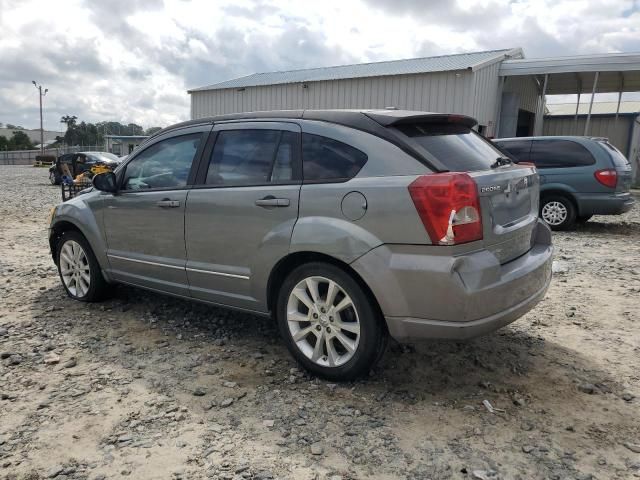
501	161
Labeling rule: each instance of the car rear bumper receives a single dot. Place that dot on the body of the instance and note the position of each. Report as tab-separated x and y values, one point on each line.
604	203
424	294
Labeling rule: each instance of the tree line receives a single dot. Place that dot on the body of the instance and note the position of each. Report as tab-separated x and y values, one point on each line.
77	133
86	133
18	141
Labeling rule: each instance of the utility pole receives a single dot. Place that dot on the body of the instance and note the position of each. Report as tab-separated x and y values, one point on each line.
39	87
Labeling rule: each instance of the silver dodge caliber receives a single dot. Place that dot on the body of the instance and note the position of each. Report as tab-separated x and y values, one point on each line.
346	226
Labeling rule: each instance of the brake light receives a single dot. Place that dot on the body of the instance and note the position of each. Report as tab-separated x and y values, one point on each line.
448	206
607	177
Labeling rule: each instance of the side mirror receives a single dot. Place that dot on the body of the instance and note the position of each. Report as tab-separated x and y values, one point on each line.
105	182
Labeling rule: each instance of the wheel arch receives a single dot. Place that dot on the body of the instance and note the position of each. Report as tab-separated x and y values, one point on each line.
57	230
560	192
287	264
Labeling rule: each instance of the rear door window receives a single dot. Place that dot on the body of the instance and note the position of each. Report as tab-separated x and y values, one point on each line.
328	160
560	154
518	149
252	157
456	146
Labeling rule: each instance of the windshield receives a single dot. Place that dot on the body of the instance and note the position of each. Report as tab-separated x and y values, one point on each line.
104	157
457	147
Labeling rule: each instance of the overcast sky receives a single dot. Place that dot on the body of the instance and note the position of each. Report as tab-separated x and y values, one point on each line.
133	60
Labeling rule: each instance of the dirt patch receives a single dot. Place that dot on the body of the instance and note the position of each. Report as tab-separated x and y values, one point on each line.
151	387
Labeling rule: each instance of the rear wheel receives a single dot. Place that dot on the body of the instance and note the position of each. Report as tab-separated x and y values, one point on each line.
558	212
53	179
329	323
79	270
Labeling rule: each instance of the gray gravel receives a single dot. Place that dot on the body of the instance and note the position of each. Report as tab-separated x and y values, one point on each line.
145	386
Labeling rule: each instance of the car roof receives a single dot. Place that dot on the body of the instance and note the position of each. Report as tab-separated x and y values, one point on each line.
360	119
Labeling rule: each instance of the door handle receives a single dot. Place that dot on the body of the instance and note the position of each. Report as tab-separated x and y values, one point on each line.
271	201
168	203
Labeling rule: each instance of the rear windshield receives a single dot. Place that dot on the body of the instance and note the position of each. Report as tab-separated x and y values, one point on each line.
456	146
619	160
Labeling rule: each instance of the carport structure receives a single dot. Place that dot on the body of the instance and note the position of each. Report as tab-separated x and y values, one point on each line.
583	74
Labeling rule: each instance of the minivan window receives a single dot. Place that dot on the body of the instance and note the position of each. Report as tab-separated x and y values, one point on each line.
165	164
325	159
518	149
560	154
619	160
252	157
456	146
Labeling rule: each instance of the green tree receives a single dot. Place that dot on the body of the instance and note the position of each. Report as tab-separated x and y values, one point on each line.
20	141
4	143
152	130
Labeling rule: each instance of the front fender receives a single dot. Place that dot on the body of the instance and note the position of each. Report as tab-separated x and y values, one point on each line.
338	238
85	214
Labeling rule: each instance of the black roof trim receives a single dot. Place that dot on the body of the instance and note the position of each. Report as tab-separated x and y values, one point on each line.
375	122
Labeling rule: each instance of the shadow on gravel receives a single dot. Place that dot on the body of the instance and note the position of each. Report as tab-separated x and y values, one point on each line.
167	340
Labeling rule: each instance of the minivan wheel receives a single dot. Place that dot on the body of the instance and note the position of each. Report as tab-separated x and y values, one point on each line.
558	212
79	270
329	323
53	179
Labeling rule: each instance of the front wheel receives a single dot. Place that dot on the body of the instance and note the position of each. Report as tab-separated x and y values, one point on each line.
53	179
329	322
558	212
79	270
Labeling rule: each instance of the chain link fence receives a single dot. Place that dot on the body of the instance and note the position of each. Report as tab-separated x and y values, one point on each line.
28	157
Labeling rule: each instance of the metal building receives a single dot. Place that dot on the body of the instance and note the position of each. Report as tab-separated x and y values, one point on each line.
465	83
505	92
619	123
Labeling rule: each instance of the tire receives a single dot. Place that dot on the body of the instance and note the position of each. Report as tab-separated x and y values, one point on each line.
338	345
583	219
558	212
53	178
74	283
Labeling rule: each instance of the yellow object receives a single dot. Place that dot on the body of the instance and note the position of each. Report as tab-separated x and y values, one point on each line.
97	169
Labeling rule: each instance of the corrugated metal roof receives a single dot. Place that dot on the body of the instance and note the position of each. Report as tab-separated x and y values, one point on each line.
444	63
599	108
604	62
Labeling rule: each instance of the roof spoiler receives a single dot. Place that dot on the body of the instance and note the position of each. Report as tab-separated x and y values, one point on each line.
391	120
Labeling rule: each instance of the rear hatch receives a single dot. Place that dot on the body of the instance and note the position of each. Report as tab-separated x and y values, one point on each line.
509	193
621	164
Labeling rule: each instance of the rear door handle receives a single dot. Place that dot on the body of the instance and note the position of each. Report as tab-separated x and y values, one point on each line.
271	201
168	203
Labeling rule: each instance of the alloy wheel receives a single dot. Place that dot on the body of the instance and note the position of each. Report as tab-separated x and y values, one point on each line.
323	321
74	268
554	213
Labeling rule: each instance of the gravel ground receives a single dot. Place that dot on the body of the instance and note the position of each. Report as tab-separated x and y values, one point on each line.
150	387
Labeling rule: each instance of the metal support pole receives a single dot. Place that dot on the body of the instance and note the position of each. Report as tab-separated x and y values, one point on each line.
543	101
496	128
593	94
619	97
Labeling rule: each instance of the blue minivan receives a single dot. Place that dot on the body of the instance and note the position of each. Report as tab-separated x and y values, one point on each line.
579	176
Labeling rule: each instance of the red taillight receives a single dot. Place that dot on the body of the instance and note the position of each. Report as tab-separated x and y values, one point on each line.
448	206
607	177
